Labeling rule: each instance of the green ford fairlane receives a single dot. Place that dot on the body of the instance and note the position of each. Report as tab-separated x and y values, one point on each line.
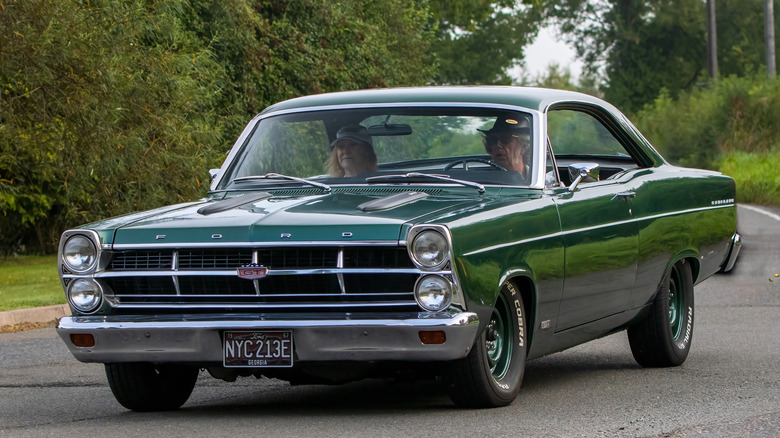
444	232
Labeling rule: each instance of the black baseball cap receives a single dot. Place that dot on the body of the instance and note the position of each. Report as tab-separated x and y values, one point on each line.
356	133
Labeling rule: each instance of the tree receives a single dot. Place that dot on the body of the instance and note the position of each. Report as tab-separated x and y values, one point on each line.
477	42
113	106
106	108
276	50
639	46
741	41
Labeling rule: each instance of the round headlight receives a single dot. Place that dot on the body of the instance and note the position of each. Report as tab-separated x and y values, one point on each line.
433	293
85	295
79	253
430	249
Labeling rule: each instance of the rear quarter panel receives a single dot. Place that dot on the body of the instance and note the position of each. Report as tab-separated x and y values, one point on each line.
681	213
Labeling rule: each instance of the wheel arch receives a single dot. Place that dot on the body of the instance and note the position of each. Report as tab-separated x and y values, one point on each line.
688	256
527	288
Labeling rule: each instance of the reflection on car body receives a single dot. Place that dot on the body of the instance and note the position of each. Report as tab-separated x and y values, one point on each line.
437	263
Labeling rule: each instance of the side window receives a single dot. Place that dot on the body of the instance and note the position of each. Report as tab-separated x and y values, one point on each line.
577	137
578	133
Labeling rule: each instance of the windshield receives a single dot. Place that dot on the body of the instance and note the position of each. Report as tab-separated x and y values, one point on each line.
487	146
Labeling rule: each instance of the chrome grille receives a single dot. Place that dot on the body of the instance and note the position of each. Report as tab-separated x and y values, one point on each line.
142	261
213	259
330	278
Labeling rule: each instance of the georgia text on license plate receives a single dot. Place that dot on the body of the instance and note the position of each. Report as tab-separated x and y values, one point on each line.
257	349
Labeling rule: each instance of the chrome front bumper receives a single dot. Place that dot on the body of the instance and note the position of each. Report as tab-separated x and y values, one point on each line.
198	338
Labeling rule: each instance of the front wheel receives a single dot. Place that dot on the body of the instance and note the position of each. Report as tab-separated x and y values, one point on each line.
151	387
663	337
491	374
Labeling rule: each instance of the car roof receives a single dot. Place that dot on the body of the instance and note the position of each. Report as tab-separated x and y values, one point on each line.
527	97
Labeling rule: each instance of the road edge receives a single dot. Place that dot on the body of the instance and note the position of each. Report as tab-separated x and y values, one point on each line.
34	315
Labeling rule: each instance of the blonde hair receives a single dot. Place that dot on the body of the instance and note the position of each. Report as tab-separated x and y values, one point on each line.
332	165
335	170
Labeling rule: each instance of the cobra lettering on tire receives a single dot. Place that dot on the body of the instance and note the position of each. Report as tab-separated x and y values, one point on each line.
491	374
663	338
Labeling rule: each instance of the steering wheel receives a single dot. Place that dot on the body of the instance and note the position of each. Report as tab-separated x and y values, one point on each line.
465	162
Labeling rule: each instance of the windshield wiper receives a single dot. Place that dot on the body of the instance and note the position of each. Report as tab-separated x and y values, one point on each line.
480	188
325	188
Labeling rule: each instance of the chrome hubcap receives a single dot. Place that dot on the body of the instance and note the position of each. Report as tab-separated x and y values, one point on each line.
498	340
676	303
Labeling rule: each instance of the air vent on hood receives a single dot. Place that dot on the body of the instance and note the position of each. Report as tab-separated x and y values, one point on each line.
391	201
229	204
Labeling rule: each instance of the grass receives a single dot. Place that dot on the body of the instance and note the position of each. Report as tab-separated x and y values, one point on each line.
757	175
29	281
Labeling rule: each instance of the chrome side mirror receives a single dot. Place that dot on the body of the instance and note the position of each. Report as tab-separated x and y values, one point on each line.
213	173
583	172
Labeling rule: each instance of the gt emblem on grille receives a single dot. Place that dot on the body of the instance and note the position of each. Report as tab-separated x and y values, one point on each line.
252	272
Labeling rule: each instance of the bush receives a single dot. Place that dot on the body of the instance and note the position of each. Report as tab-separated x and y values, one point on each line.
733	114
107	107
113	106
757	175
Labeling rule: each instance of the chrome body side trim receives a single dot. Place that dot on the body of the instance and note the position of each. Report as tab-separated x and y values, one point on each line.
197	339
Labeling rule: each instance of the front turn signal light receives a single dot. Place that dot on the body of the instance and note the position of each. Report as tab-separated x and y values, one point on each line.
433	337
83	340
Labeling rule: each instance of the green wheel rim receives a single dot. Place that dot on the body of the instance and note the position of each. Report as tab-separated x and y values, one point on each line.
676	303
499	338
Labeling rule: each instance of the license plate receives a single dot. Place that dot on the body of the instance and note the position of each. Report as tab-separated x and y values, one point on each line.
257	349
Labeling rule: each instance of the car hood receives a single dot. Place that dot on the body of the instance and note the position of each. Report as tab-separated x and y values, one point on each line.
336	217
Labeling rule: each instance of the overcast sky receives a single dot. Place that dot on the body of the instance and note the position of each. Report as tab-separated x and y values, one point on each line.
548	49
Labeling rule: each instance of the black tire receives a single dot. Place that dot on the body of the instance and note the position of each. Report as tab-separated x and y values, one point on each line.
663	338
148	387
491	375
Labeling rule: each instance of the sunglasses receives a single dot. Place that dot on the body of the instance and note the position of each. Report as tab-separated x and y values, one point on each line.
504	138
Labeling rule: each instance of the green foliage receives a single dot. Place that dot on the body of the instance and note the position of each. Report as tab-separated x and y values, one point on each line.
735	114
106	108
740	30
640	47
477	42
29	281
112	106
276	50
757	175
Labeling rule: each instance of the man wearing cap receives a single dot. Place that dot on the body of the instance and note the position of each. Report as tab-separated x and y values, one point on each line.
507	142
352	152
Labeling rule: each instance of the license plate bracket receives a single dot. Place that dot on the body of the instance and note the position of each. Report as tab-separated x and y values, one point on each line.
257	349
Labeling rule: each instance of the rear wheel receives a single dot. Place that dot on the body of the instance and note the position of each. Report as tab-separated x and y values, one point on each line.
491	374
663	338
151	387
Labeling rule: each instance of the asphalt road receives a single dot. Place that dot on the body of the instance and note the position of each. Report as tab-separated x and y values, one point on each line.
729	386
